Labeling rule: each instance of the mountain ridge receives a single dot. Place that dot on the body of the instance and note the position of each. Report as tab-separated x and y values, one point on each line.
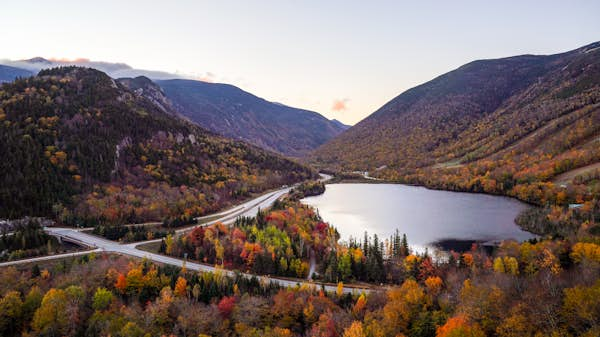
222	108
485	116
235	113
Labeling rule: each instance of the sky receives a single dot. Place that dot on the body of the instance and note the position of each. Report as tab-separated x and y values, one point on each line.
343	59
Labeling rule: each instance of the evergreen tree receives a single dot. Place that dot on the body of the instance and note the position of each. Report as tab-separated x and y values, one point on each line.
404	246
366	244
35	271
396	244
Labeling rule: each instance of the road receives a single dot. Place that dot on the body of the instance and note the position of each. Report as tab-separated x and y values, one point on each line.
567	177
249	208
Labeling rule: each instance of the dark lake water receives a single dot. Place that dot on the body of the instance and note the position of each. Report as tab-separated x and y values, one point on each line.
428	217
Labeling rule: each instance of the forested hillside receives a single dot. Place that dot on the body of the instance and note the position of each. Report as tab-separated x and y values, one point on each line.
85	149
230	111
505	126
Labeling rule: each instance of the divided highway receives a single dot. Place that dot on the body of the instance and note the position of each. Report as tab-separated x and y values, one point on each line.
249	208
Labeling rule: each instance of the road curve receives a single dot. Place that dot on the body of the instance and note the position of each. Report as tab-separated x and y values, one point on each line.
249	208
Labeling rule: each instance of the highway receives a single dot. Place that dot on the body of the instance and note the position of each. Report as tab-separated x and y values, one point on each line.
249	208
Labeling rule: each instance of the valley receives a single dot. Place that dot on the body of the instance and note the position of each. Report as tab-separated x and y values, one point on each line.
466	206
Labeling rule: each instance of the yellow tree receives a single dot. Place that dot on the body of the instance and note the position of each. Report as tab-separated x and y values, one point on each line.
481	304
499	265
511	265
180	287
135	279
581	306
219	251
11	311
586	251
355	330
340	289
50	318
404	303
434	285
360	304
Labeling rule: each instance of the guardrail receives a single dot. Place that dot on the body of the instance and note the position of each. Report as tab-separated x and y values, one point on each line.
72	240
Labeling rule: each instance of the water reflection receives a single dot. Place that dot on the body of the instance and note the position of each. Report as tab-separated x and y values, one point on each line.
429	218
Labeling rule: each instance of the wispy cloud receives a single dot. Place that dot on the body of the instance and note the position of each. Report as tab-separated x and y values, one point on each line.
67	60
206	77
340	104
115	70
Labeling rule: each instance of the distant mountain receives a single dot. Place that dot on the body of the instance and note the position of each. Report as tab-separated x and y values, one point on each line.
38	60
490	125
340	124
237	114
114	70
8	74
221	108
80	147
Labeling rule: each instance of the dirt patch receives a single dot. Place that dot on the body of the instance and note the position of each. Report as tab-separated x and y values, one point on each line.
568	176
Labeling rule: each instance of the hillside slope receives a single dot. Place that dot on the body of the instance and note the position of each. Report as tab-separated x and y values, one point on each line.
232	112
8	73
500	126
81	147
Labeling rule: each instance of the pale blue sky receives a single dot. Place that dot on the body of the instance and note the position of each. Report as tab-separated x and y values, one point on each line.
306	54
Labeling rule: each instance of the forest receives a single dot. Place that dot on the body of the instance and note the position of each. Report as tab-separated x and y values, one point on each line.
27	238
546	288
87	151
279	241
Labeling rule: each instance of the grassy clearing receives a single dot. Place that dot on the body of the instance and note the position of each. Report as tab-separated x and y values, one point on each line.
151	247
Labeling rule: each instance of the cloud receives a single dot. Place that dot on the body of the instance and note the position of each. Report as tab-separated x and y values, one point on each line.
340	104
114	70
66	60
206	77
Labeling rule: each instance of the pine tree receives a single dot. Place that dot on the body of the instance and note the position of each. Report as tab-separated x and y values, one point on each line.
397	244
404	246
35	271
366	245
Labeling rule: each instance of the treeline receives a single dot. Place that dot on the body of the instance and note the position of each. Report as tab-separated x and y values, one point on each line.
372	260
307	189
130	233
562	221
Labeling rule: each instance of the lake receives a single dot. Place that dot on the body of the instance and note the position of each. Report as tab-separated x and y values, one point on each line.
430	218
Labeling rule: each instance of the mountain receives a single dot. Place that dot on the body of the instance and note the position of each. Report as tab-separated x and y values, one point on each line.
114	70
237	114
508	126
143	86
221	108
340	124
8	74
83	148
